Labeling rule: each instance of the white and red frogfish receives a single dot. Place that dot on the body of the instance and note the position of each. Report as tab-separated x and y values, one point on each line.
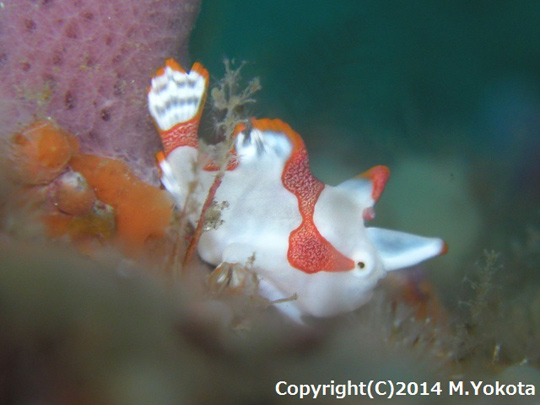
303	238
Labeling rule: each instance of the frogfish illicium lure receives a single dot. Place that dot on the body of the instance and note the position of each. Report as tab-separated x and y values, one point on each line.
303	238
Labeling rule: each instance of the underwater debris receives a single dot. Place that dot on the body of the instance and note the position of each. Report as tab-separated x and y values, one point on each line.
413	288
235	278
473	334
499	325
212	216
229	100
483	286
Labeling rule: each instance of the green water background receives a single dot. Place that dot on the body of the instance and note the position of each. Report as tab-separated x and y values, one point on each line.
469	69
447	94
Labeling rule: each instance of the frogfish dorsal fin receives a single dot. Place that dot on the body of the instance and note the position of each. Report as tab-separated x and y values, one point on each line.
175	100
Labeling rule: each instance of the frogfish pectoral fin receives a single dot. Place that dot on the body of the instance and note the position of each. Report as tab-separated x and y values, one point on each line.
399	249
367	187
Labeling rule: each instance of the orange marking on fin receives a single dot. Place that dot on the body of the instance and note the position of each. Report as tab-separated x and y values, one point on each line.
200	69
308	250
379	176
444	249
174	65
160	157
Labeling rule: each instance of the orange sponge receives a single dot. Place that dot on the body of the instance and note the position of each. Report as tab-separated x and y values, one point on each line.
142	211
41	152
80	185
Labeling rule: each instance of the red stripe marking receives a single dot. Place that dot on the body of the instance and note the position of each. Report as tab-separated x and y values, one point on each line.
308	250
182	134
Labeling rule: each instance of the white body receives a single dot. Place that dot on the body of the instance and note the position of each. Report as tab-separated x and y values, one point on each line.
261	213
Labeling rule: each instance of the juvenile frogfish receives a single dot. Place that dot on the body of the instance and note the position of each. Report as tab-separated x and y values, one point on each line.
305	239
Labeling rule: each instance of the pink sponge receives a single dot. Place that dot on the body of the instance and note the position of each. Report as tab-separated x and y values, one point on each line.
88	64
